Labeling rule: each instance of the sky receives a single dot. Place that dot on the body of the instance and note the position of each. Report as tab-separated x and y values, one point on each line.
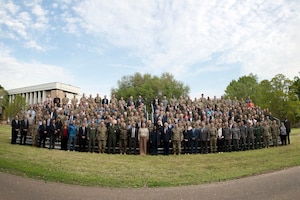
92	44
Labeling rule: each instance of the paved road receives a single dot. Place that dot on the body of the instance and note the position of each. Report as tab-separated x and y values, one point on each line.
284	184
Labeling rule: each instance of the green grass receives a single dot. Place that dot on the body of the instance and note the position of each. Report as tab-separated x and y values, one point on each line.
137	171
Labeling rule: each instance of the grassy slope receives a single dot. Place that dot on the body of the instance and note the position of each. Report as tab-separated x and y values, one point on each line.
137	171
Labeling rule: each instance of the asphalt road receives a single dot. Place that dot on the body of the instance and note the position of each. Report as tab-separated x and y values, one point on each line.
284	184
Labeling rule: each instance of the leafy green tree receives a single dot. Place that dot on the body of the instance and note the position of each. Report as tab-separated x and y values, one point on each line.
296	86
3	100
14	107
149	86
280	95
242	88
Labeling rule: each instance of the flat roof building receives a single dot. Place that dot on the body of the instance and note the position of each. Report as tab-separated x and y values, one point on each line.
38	93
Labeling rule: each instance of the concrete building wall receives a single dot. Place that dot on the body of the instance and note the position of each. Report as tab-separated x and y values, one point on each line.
38	93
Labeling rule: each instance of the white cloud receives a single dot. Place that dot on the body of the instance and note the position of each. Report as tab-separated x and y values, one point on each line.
173	35
26	23
15	73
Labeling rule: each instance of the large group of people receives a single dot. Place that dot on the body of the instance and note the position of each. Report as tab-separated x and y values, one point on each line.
174	126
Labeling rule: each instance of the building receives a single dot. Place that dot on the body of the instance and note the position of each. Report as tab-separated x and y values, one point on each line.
38	93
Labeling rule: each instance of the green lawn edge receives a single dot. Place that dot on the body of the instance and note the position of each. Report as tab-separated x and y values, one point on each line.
128	171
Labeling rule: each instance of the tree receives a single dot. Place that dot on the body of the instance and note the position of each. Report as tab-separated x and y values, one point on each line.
14	107
3	100
244	87
149	86
280	95
296	86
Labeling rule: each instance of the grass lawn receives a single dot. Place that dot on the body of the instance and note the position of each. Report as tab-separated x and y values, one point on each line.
137	171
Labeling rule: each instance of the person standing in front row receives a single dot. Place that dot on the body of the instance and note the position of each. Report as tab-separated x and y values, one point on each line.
133	137
154	140
92	129
52	133
275	133
24	129
102	137
283	134
194	138
166	138
177	137
143	137
83	133
43	131
204	137
123	138
112	136
287	125
64	137
213	138
72	130
15	127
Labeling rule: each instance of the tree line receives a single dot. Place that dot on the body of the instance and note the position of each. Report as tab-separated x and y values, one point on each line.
280	94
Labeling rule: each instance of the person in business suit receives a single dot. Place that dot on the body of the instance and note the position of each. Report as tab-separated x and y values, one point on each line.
15	127
133	137
226	133
52	133
287	125
155	135
113	130
83	133
194	138
24	130
105	100
204	138
166	138
186	138
43	131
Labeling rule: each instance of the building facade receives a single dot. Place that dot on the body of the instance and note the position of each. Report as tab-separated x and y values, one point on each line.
38	93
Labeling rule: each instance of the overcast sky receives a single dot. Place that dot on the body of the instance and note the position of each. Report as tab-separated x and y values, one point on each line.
93	43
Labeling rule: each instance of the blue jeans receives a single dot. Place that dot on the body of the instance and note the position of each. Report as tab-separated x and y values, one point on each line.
72	139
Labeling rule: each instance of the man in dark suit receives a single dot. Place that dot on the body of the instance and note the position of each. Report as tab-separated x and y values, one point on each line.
15	127
43	131
204	138
166	138
194	138
133	137
52	133
83	133
287	125
24	129
105	100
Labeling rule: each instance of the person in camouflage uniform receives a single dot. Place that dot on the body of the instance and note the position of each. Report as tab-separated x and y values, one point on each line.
101	137
92	136
213	138
177	136
123	138
266	134
274	133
